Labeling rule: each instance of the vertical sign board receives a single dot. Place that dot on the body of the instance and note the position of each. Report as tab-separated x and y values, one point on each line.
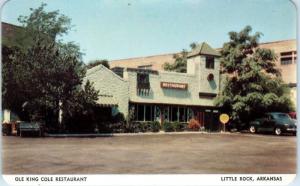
224	118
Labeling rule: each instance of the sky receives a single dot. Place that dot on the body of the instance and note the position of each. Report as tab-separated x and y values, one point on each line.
119	29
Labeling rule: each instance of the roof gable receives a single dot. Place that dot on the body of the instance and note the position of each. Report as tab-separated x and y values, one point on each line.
203	49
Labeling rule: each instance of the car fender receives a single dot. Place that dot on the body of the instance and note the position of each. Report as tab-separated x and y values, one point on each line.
279	126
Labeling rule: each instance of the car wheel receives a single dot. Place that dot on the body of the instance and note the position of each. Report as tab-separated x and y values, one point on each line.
252	129
278	131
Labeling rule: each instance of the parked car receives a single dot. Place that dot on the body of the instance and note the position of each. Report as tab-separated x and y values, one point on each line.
275	122
293	115
234	127
30	128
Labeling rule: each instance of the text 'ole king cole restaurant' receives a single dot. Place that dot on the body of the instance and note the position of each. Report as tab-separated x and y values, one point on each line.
163	96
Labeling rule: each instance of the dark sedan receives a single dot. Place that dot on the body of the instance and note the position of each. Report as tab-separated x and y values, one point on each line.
275	122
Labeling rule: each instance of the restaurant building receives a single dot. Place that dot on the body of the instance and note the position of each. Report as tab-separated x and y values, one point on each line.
154	95
286	62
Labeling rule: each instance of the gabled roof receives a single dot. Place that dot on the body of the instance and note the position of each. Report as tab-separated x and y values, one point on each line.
203	49
8	33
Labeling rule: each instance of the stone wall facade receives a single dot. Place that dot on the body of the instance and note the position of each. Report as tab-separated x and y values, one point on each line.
114	87
196	81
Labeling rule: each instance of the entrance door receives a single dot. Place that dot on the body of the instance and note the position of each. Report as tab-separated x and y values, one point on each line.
200	117
211	121
207	120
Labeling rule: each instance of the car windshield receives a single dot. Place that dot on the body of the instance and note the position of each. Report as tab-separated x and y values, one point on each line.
282	116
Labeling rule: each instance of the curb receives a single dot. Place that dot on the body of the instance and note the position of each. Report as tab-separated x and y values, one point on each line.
131	134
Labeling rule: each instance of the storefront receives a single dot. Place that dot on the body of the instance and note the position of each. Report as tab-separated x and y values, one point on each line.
207	117
166	96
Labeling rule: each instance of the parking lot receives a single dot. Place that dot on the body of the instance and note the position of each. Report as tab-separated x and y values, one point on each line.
176	153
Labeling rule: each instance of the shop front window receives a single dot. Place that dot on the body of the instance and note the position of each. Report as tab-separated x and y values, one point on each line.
166	113
157	113
182	117
174	114
141	112
190	114
148	113
145	112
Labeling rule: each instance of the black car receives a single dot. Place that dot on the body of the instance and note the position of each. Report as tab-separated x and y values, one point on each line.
275	122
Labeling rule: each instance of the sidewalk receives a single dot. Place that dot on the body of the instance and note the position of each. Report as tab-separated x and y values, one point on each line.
132	134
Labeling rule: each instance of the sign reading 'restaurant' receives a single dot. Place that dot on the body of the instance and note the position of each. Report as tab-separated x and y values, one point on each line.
170	85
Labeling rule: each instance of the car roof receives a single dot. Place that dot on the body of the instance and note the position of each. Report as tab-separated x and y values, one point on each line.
276	113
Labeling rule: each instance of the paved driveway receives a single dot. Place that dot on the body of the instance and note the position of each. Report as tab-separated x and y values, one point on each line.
180	153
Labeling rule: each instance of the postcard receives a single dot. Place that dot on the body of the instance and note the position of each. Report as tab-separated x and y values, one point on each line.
149	92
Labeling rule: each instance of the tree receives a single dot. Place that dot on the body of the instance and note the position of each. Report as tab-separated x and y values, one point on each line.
80	115
47	73
193	45
94	63
253	84
180	63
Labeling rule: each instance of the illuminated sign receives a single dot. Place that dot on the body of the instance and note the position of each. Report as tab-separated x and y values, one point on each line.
170	85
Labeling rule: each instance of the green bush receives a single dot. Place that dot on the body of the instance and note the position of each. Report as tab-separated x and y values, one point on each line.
179	126
168	127
119	117
134	126
145	127
117	127
155	126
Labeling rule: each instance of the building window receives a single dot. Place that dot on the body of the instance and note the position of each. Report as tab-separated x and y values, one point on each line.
165	114
119	71
182	115
140	113
143	81
148	113
175	114
145	112
210	62
287	58
190	114
156	113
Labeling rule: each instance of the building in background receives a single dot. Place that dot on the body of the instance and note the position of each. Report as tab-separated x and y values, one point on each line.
286	51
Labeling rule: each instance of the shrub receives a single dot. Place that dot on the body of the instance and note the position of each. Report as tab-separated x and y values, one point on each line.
147	126
6	129
117	127
155	126
168	127
144	127
119	117
194	125
134	126
179	126
140	126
